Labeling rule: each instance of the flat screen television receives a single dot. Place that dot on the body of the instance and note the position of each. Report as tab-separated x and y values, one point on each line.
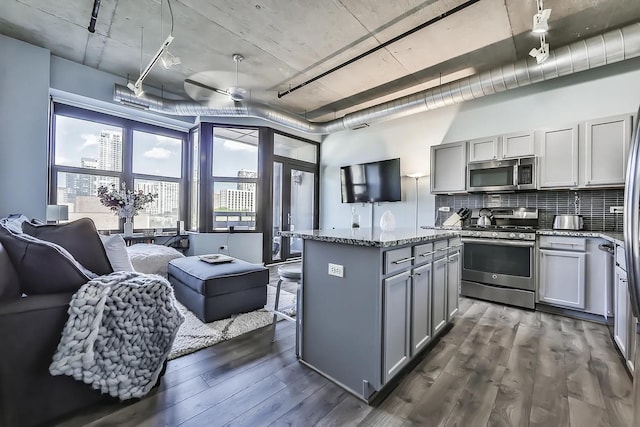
371	182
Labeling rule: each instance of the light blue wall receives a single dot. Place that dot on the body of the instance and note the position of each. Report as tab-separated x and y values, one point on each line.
24	91
602	92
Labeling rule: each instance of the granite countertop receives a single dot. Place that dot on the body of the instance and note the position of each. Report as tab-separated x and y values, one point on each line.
612	236
372	237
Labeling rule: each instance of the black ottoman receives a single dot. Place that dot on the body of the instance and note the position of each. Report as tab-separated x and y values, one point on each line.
216	291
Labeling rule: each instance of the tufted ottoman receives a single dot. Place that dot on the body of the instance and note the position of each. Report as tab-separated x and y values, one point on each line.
217	291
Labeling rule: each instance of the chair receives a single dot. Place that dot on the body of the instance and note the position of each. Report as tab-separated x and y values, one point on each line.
290	273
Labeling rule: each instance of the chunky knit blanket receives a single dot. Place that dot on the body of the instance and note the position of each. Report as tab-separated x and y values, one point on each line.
119	333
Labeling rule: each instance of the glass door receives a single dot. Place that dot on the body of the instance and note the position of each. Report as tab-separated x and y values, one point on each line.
293	207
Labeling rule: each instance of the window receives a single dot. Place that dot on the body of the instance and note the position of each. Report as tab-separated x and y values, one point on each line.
235	178
92	149
194	201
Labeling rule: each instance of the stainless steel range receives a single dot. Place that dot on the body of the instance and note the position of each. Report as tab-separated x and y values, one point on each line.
498	256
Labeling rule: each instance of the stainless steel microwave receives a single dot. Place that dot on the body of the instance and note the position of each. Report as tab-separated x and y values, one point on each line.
502	175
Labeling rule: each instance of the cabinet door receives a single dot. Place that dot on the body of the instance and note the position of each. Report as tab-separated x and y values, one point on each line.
448	166
558	157
518	144
562	278
622	314
606	150
421	308
439	285
397	339
482	149
453	285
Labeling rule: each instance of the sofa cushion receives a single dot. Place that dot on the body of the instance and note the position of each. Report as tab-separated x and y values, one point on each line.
9	284
117	252
80	238
42	267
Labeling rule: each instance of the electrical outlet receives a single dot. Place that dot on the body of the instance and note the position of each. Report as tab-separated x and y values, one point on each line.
224	248
616	209
336	270
444	209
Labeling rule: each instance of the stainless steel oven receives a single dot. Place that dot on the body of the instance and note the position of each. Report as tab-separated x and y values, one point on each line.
502	175
498	262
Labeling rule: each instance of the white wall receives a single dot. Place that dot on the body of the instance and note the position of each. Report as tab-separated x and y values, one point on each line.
244	246
602	92
24	105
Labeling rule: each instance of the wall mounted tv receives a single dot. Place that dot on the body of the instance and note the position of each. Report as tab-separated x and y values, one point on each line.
371	182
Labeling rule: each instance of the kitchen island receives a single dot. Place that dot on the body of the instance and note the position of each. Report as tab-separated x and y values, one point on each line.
373	301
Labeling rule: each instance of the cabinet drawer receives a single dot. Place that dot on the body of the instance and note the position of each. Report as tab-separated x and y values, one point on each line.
620	259
397	259
423	253
440	248
563	243
455	245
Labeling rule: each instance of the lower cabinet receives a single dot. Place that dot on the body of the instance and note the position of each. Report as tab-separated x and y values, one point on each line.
453	284
396	316
439	306
562	278
621	323
421	305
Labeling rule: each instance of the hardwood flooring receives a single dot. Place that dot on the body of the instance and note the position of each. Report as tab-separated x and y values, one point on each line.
497	366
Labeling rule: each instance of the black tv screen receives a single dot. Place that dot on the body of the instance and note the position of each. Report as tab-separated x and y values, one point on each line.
371	182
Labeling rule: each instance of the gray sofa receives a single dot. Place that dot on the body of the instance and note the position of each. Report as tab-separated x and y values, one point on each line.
30	329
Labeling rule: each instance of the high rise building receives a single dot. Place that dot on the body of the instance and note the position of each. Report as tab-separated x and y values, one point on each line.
247	186
238	200
110	157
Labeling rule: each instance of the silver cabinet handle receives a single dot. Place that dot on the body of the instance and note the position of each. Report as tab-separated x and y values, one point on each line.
623	280
455	246
443	249
428	253
402	261
453	259
415	274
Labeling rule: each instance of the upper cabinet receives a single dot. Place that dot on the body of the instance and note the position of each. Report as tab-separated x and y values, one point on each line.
592	154
519	144
448	167
606	149
558	164
483	149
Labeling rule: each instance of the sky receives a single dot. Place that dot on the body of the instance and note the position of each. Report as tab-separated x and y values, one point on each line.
152	154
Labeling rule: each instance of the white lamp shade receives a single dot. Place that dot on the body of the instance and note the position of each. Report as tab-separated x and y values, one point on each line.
57	212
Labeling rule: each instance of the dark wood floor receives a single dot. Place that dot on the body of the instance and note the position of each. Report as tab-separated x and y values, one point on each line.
498	366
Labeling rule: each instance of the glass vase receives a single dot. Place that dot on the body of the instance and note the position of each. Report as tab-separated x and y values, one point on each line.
128	227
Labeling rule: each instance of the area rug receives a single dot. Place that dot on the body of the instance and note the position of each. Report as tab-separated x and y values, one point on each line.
194	335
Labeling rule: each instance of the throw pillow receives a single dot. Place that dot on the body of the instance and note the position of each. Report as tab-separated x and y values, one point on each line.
80	238
117	252
42	267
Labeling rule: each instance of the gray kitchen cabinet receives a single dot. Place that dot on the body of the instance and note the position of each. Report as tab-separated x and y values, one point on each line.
517	144
624	322
439	305
606	148
562	278
421	308
621	321
483	149
448	168
397	326
558	165
453	284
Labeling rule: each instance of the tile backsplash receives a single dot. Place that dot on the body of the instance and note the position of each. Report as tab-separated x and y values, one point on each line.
593	205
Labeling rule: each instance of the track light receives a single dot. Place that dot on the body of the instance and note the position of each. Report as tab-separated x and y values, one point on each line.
541	19
168	59
136	88
542	53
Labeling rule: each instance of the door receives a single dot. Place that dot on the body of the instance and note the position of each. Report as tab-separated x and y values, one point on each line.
482	149
448	163
562	278
396	317
621	319
499	262
558	157
294	201
439	285
606	150
421	308
517	145
453	284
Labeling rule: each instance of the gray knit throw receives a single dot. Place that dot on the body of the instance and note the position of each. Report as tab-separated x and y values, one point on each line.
119	333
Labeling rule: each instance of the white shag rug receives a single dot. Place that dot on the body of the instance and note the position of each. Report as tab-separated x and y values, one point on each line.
194	335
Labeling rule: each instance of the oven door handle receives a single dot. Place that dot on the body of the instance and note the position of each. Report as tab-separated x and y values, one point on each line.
499	242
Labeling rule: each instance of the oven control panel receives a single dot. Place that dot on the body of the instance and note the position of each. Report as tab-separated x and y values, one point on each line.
505	235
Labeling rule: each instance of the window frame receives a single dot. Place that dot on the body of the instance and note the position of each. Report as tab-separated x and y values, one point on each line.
127	176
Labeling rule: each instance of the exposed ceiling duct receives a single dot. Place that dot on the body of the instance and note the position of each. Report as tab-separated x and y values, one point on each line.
603	49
